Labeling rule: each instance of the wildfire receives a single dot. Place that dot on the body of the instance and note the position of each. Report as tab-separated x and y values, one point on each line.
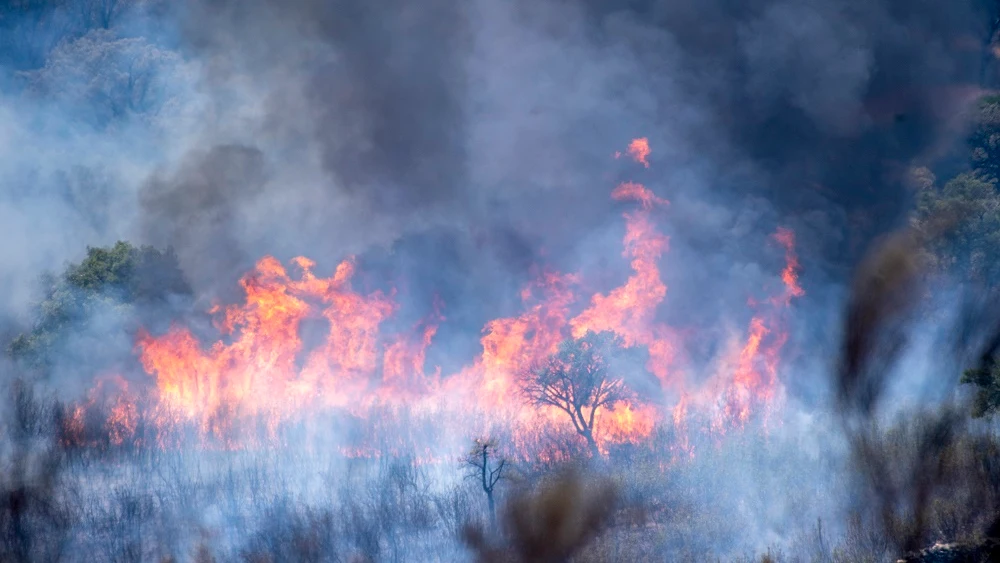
789	275
259	367
403	362
264	368
624	423
638	149
754	382
512	344
630	310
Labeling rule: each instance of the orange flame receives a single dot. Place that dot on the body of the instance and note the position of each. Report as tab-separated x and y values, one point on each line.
260	368
258	371
638	149
403	362
630	310
789	275
754	382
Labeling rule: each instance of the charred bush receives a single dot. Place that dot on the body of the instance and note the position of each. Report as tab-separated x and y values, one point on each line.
35	521
549	523
291	533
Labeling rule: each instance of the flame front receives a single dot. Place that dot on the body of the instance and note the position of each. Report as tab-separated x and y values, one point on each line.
639	150
754	382
260	368
630	310
264	369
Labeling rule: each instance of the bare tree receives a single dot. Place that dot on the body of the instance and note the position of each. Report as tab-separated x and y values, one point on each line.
488	467
578	380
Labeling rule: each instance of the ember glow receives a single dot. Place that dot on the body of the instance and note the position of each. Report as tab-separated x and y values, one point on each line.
258	368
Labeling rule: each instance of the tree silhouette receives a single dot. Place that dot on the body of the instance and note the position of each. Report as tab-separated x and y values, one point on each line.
488	467
579	380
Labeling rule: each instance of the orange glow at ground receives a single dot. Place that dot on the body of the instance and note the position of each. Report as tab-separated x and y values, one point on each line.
259	368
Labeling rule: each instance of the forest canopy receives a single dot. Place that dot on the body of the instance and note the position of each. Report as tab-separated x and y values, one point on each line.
118	278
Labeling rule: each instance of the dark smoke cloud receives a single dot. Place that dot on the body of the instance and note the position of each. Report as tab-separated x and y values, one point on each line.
502	117
197	210
459	145
827	101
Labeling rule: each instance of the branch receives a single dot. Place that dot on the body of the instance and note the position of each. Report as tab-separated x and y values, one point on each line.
553	399
496	473
613	391
541	393
581	427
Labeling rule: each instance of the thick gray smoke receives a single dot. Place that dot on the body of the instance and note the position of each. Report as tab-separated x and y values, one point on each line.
406	105
459	144
456	146
197	210
491	127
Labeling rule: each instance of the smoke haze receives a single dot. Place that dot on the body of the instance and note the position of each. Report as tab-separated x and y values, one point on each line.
494	125
460	148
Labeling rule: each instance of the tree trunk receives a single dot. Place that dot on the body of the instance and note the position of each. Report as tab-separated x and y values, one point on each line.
493	509
595	452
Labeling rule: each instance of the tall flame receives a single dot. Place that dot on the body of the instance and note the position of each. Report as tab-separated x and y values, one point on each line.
259	366
403	361
512	344
754	382
639	150
630	310
264	369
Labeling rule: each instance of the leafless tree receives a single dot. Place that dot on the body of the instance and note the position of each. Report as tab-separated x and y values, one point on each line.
579	380
488	467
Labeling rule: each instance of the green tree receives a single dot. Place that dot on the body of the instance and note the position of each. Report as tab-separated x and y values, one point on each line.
984	141
117	278
968	250
584	376
971	248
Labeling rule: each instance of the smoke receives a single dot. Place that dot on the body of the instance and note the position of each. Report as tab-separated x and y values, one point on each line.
490	128
498	119
457	147
934	452
197	210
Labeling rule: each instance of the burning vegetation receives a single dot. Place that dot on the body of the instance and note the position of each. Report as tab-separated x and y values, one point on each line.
566	362
598	384
412	291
